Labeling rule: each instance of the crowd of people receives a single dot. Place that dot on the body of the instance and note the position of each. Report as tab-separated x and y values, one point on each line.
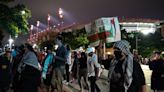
26	70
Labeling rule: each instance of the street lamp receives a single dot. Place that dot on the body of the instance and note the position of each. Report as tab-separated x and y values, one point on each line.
38	23
10	42
48	21
23	12
61	15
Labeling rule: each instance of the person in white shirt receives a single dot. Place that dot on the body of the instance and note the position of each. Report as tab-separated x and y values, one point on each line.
93	69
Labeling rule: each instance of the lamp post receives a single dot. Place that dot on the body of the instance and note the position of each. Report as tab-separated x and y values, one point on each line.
10	42
48	21
38	23
61	15
31	29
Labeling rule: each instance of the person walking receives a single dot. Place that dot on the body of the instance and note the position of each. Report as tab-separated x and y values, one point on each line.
82	67
125	74
68	63
74	66
59	65
47	68
93	69
5	71
157	66
15	73
30	71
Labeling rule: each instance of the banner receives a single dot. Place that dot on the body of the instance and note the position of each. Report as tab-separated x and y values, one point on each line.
105	29
92	34
109	29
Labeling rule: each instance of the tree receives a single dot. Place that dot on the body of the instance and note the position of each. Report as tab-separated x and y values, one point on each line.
14	20
76	38
1	36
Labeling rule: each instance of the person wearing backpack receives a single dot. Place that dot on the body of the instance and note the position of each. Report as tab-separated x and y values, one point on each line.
125	74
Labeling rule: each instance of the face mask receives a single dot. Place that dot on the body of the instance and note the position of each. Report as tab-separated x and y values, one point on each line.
118	54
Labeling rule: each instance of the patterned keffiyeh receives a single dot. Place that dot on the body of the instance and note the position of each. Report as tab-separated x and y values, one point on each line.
127	65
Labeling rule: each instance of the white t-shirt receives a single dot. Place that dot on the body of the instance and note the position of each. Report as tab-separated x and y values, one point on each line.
69	58
92	62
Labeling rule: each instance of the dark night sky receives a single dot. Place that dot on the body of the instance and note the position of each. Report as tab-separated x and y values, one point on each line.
87	10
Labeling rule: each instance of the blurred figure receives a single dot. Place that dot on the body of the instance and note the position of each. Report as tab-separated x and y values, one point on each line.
47	68
157	66
82	70
136	56
93	69
5	71
68	63
30	71
125	74
59	65
15	73
74	66
41	56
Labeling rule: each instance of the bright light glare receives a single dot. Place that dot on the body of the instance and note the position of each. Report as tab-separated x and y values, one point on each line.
23	12
60	11
38	23
146	32
11	40
32	27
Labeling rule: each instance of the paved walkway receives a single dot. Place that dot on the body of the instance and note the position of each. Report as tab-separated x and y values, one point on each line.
103	84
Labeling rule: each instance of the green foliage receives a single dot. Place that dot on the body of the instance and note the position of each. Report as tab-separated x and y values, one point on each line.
146	43
14	19
76	38
1	36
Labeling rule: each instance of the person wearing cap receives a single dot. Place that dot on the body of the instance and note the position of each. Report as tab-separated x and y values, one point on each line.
157	66
93	69
125	74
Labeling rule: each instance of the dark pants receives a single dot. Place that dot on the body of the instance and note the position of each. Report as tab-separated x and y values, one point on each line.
83	73
67	72
93	84
30	79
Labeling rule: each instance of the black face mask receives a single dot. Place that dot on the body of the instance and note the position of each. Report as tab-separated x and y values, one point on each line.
118	55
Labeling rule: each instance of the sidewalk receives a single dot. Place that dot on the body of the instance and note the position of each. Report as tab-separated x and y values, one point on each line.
103	82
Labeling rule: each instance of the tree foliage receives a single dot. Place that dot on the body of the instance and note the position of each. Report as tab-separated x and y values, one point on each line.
146	43
1	36
76	38
14	20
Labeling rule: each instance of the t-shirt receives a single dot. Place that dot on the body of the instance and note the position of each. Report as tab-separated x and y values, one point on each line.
117	80
92	63
61	52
